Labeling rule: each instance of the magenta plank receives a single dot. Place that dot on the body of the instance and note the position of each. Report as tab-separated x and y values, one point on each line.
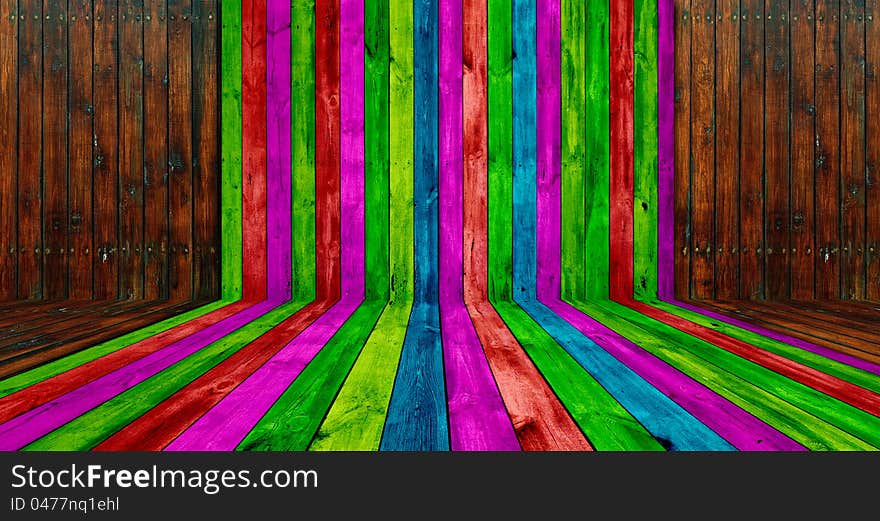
734	424
278	198
477	417
227	423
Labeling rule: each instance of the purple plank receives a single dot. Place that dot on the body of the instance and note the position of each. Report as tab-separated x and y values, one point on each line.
477	417
734	424
227	423
666	195
278	198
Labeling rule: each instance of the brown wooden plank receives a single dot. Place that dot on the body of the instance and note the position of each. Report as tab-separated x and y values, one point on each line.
827	150
803	135
751	150
180	186
206	139
55	217
702	147
106	178
776	151
8	141
727	112
155	149
61	347
852	149
872	137
131	148
682	148
30	118
80	166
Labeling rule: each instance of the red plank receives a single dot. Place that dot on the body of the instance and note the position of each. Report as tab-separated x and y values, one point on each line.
682	149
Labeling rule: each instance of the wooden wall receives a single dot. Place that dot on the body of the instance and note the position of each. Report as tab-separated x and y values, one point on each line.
778	149
109	149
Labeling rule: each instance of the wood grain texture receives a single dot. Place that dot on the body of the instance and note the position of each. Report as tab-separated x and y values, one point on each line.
8	156
155	193
776	150
751	145
802	140
852	149
828	104
727	122
702	148
30	148
105	182
872	159
54	168
80	113
683	164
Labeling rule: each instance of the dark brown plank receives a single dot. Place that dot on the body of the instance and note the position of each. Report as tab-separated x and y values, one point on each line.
682	148
827	150
727	148
106	179
8	141
751	149
155	149
852	149
55	218
872	137
60	347
776	151
131	148
80	166
803	135
180	189
702	147
30	124
206	139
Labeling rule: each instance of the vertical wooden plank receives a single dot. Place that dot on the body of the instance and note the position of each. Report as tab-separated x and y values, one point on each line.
105	180
55	218
206	188
645	165
180	149
751	150
727	112
776	152
827	161
803	132
376	121
597	148
231	55
852	149
131	149
574	120
155	149
872	137
80	113
702	148
8	141
302	102
327	164
683	24
30	116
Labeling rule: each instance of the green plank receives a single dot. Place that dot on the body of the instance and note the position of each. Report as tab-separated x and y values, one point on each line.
500	83
596	68
574	123
230	152
302	105
646	151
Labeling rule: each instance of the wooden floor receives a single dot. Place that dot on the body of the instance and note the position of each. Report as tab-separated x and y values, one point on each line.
448	226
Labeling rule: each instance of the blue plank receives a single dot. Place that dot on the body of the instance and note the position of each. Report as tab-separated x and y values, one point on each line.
417	414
